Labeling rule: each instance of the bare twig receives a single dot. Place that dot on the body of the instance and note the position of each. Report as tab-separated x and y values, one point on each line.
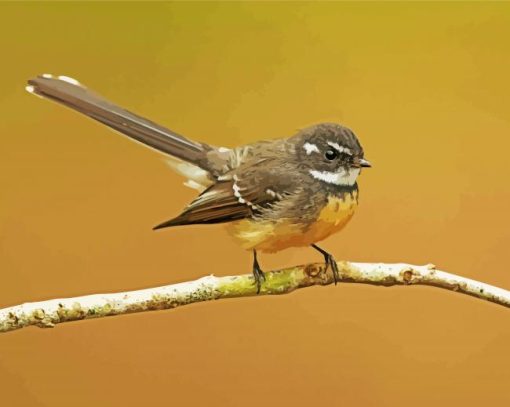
47	314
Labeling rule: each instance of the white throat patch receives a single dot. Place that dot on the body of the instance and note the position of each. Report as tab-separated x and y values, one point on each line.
341	177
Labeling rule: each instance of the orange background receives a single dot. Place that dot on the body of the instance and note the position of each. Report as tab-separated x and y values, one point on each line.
426	88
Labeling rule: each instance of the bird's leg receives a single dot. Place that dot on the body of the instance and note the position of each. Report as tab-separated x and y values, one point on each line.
330	262
258	274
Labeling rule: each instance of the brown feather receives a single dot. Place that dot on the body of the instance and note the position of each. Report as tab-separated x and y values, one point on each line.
79	98
217	204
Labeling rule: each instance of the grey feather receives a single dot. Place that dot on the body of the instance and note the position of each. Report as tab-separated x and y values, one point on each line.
79	98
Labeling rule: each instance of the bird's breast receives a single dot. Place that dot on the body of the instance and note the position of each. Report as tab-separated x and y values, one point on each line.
276	235
338	209
334	216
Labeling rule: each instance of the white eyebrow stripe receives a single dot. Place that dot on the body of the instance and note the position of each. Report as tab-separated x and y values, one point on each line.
311	148
339	148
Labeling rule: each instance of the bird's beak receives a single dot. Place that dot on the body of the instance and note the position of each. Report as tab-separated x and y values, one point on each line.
364	163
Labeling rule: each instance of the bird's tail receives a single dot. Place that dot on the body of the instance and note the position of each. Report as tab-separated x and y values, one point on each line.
71	93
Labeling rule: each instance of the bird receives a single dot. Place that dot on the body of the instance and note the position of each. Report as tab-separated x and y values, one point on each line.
272	194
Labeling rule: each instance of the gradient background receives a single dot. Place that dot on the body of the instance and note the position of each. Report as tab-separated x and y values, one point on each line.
425	86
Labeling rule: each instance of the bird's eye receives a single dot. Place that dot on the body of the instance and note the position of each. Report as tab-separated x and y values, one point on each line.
331	154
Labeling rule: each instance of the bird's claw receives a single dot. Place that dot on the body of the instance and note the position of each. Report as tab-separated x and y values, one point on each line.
259	276
331	262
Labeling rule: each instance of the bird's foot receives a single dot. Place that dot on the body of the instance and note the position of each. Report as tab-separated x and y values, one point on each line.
330	262
259	276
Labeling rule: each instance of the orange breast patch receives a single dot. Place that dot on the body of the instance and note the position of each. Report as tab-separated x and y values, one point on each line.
333	217
275	236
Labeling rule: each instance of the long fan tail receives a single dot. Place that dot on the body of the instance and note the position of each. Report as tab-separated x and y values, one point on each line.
72	94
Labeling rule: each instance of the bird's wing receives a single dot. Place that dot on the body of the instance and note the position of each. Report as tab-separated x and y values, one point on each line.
244	193
72	94
217	204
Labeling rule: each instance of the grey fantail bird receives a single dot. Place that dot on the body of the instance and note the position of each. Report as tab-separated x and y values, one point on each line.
273	194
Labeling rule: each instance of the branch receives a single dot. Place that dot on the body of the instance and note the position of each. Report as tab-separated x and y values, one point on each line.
46	314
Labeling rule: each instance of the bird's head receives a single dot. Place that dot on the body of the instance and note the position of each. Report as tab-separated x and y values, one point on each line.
330	153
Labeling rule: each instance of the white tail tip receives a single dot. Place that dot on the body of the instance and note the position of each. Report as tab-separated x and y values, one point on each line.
30	89
70	80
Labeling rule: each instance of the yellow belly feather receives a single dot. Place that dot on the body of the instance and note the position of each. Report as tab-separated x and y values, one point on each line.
274	236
